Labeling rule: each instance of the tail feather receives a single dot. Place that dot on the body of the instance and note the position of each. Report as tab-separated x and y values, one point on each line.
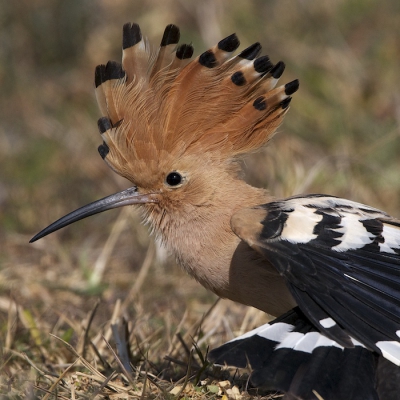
290	356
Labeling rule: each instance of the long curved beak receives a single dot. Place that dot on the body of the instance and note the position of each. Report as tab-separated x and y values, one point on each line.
126	197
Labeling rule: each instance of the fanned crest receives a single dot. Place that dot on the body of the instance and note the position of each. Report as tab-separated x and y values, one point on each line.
167	120
160	106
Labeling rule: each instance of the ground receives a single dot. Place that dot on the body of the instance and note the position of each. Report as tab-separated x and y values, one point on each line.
98	308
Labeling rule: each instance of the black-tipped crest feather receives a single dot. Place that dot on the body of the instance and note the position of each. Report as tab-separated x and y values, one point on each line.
229	44
278	69
163	105
131	35
251	52
171	35
184	51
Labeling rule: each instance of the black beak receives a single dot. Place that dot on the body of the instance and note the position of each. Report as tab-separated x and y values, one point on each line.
126	197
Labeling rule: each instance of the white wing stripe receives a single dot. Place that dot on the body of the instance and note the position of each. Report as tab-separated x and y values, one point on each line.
355	236
392	239
390	350
304	214
299	227
281	333
327	323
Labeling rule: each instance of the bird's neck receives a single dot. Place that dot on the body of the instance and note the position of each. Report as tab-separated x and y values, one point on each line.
201	237
202	240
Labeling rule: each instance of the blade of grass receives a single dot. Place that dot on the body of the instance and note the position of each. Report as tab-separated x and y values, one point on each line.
55	383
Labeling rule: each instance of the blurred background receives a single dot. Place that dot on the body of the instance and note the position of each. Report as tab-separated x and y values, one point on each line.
341	137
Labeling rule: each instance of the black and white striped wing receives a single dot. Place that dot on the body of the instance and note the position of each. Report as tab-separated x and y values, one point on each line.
341	262
289	355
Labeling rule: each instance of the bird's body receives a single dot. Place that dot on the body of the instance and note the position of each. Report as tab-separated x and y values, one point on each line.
204	244
176	129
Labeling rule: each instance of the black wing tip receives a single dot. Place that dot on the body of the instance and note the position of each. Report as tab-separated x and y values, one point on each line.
278	69
171	35
229	44
184	51
131	35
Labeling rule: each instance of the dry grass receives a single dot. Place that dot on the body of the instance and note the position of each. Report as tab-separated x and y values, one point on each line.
97	310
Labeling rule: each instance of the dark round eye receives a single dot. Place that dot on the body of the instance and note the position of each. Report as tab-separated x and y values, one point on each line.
174	178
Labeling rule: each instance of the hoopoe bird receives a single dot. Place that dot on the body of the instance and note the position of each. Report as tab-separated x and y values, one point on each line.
328	268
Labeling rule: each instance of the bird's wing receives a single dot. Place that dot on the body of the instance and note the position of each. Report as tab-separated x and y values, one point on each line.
289	355
341	262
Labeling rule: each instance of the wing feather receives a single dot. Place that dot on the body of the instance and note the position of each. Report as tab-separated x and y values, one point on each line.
289	355
341	262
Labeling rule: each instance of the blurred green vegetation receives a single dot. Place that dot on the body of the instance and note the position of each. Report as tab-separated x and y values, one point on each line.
341	136
345	54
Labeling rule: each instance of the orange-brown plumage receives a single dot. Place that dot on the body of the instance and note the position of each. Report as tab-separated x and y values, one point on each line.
185	111
176	129
196	120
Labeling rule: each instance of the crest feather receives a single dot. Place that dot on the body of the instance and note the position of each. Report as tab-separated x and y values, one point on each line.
161	104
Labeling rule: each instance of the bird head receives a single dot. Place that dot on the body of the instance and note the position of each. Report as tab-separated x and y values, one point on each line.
176	127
